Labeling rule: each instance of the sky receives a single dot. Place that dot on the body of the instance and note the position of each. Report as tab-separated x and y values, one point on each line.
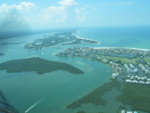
42	14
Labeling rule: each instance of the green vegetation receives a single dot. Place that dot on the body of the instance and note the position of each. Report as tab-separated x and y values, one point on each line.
136	95
1	54
82	41
147	60
95	96
39	65
60	38
123	60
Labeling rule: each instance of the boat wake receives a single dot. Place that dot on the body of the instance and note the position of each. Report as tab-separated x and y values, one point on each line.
34	105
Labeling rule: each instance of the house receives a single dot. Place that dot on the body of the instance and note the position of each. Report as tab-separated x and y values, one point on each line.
129	112
123	111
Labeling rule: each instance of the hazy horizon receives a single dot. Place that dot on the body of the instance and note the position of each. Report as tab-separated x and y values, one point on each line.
34	14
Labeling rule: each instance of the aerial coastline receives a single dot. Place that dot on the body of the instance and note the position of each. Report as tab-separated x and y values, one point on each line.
128	64
59	39
131	66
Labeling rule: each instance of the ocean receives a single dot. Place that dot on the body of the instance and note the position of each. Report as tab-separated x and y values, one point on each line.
51	92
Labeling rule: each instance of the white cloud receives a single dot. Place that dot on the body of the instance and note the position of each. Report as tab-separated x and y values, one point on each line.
23	6
68	2
11	18
65	13
62	13
26	6
54	14
81	14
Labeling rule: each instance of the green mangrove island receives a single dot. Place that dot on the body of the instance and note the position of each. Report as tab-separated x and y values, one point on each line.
135	95
37	64
95	96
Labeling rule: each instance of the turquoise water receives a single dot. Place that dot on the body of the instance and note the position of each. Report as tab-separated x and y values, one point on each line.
134	37
52	92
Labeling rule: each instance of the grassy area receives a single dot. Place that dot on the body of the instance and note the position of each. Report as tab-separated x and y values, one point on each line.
39	65
136	95
147	60
95	96
124	60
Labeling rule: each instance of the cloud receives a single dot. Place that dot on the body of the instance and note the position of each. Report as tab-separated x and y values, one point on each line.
23	6
55	14
64	14
18	17
68	2
81	14
11	18
26	6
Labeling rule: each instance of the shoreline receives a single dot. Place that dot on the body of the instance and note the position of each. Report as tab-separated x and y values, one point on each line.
121	48
87	39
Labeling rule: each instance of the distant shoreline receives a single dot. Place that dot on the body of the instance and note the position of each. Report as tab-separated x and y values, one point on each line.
121	47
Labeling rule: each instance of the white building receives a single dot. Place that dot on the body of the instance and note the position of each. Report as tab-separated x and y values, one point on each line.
123	111
129	112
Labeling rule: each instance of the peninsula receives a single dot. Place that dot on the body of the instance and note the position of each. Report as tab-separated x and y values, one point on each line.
131	68
129	65
39	65
95	97
59	39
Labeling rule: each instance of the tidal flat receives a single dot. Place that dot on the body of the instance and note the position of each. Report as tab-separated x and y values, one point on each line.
38	65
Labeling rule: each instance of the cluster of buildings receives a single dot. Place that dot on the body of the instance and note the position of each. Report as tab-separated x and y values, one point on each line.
127	71
131	73
111	51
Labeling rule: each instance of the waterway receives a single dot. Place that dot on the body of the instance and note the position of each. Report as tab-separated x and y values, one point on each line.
52	92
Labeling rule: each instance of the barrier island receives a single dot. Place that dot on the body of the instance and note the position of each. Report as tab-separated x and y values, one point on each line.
37	64
59	39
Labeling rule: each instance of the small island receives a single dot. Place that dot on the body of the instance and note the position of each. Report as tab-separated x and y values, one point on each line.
39	65
58	39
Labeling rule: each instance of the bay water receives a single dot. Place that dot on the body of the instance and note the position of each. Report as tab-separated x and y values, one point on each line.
52	92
